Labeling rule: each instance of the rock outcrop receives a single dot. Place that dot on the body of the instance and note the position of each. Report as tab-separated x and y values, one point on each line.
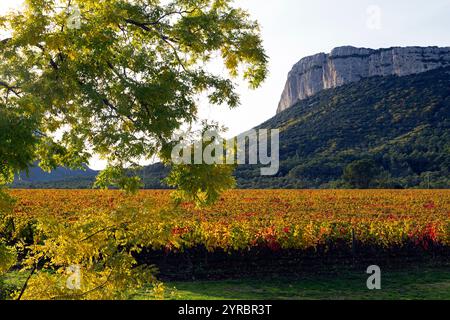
349	64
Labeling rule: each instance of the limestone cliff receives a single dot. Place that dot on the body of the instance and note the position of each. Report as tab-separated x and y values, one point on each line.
349	64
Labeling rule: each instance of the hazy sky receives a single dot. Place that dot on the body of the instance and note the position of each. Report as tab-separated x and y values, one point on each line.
292	29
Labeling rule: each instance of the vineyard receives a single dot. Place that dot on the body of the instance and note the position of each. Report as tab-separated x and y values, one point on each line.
148	237
273	219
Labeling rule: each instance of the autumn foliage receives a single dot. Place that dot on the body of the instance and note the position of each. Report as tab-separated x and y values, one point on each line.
278	219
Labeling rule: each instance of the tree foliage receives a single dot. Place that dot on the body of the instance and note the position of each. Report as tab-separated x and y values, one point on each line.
115	78
98	244
202	183
17	140
7	253
360	174
127	78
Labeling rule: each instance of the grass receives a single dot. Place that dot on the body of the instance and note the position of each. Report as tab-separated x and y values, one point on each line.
429	284
412	284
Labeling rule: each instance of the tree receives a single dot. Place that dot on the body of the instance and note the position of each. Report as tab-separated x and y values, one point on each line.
115	78
361	173
125	78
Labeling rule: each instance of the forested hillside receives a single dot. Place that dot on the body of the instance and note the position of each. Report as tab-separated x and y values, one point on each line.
397	127
380	132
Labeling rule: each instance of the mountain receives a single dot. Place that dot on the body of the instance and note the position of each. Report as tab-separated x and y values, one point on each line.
349	64
400	124
394	125
63	178
59	178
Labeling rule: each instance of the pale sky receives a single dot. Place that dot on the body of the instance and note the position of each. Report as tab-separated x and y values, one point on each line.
293	29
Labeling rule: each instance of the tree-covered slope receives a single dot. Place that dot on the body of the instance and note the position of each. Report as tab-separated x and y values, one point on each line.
63	178
58	178
401	124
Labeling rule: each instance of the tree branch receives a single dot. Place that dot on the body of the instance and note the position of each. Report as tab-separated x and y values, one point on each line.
167	14
86	292
108	103
105	229
10	88
176	54
145	27
25	285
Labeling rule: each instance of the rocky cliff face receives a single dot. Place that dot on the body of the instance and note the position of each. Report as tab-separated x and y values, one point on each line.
349	64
